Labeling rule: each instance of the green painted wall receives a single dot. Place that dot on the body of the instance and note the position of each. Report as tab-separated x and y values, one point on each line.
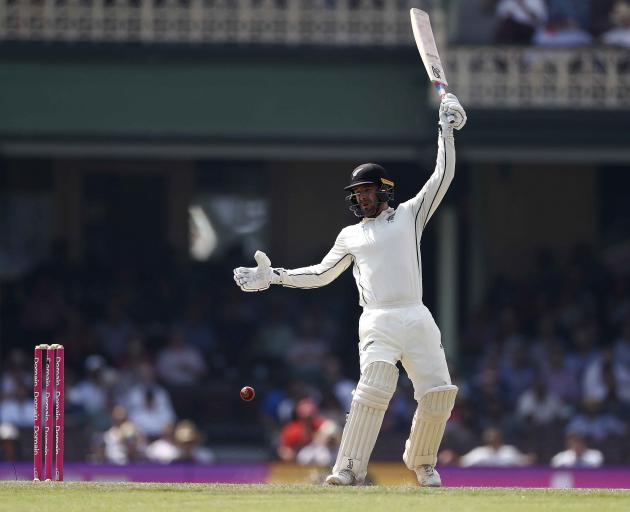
352	96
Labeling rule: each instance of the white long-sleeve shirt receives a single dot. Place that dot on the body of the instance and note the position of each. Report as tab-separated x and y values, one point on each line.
385	250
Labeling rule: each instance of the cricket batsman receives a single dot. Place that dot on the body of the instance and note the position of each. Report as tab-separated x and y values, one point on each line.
384	249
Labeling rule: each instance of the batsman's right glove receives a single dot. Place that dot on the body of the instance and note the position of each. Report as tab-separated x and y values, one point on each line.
451	112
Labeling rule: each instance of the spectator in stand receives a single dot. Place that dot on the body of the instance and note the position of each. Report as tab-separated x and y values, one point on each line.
562	30
595	424
519	20
17	409
584	348
517	374
495	453
196	329
342	387
538	407
546	340
9	442
179	363
15	374
619	35
599	21
607	379
164	450
275	336
577	454
149	404
123	442
189	442
560	379
91	393
300	432
322	450
580	10
307	353
461	432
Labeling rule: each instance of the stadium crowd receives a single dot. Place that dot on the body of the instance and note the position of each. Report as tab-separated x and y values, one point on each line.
156	356
545	23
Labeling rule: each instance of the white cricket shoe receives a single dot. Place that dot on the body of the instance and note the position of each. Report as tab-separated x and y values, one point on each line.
344	477
428	476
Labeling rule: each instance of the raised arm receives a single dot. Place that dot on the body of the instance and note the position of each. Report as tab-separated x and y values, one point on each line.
261	277
425	203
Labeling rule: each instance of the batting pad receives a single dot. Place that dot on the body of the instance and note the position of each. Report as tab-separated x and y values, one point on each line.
427	429
369	403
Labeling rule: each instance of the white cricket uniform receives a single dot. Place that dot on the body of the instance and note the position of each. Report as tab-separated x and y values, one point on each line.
385	250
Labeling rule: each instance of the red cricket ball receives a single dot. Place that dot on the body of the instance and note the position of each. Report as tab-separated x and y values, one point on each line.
248	393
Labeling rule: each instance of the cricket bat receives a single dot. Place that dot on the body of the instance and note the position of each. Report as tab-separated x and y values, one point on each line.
423	34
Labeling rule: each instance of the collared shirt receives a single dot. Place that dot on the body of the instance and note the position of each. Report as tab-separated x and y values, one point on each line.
384	250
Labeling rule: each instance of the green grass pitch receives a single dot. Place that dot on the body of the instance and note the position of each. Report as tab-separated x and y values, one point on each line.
92	496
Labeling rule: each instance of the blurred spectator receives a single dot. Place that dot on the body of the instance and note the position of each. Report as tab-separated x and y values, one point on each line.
341	385
322	450
537	406
275	337
9	442
517	374
518	20
180	363
489	398
307	352
195	328
300	432
189	442
460	435
91	393
599	21
560	378
584	350
595	424
123	442
579	10
546	339
577	454
17	408
495	453
606	378
562	30
149	404
16	373
164	449
619	35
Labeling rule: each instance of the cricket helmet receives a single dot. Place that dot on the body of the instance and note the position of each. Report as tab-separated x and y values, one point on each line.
369	174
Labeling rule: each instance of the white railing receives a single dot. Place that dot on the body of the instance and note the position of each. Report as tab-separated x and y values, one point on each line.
287	22
497	77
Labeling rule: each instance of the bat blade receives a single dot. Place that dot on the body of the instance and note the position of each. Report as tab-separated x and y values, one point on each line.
423	34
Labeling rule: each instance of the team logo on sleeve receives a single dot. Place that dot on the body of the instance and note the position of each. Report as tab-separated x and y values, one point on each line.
391	217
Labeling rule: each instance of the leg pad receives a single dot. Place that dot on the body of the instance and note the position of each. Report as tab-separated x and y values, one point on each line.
369	403
427	429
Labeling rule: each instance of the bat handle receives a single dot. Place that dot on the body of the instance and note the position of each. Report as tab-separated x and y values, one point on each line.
442	92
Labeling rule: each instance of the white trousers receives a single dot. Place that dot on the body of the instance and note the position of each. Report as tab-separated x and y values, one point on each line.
407	334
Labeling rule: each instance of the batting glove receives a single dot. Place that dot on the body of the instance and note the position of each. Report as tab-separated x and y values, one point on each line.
451	112
255	279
